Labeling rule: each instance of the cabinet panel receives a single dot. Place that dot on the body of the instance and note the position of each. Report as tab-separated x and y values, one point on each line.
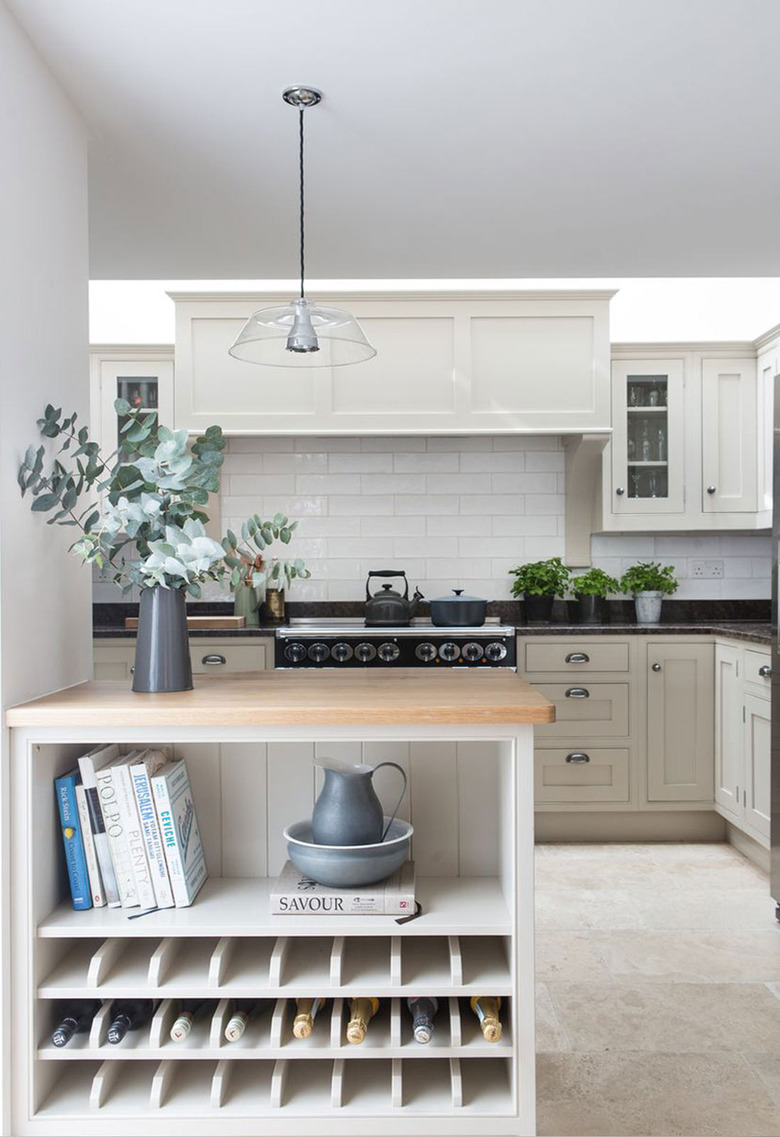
728	729
576	656
113	661
595	710
729	436
757	798
648	447
680	722
588	774
219	658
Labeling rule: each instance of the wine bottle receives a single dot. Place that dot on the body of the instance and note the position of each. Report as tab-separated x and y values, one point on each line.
243	1011
486	1008
307	1010
75	1017
129	1014
422	1011
190	1010
361	1011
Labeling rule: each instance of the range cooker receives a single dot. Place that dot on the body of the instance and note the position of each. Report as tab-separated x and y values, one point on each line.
349	643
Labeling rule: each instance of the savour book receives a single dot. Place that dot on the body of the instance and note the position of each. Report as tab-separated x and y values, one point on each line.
293	894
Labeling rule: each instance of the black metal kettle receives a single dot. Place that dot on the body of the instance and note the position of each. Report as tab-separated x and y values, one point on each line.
388	606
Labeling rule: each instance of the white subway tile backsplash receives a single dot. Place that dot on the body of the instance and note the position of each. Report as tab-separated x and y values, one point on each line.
452	511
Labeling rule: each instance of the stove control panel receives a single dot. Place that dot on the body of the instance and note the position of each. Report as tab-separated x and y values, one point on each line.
385	649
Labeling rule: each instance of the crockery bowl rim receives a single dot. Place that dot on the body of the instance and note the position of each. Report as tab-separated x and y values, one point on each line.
408	830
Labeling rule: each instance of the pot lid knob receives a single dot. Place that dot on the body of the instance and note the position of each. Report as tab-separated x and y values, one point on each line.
458	591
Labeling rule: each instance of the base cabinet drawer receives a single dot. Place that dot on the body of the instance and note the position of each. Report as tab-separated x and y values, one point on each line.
581	775
575	657
758	673
226	658
595	710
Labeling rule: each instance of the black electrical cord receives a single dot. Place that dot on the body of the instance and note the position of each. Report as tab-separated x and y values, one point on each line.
300	165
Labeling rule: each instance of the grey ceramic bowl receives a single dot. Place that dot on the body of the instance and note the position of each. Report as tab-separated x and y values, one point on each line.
348	866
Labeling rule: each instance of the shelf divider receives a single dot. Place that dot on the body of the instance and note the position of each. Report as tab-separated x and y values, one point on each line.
161	1083
278	1021
395	961
278	961
456	961
98	1031
102	1082
397	1084
456	1034
278	1083
219	1021
219	1082
162	959
163	1020
220	961
103	960
336	1019
337	961
395	1022
456	1082
337	1084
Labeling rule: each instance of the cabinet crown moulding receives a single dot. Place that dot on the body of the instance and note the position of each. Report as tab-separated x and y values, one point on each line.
406	294
679	348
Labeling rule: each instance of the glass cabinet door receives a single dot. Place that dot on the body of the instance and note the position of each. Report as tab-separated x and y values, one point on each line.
144	383
647	443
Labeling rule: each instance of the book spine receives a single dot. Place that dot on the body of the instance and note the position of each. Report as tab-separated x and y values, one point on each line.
142	789
90	853
349	904
117	838
134	836
100	837
163	805
74	847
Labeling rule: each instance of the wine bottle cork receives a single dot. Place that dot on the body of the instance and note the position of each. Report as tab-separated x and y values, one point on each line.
361	1012
486	1008
303	1023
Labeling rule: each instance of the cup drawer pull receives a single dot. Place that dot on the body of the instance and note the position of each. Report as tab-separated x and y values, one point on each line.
214	660
577	657
578	693
578	757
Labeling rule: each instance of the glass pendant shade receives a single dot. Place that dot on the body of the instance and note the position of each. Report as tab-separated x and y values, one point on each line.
302	334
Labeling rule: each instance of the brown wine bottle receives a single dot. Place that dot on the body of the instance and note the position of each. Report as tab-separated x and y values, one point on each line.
486	1008
361	1011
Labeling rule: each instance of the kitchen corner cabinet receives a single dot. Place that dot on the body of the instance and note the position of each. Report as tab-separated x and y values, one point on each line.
446	363
470	802
692	442
142	375
742	737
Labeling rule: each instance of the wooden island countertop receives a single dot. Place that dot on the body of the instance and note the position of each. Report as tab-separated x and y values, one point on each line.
308	697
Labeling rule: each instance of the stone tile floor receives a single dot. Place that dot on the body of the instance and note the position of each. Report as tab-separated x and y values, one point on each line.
658	993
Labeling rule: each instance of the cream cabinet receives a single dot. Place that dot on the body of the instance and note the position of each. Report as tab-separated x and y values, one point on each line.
680	714
446	362
691	444
114	659
143	375
742	739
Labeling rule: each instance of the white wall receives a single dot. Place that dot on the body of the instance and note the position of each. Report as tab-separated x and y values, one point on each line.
44	596
454	512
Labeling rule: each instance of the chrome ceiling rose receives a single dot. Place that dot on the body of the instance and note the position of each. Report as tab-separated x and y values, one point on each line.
302	333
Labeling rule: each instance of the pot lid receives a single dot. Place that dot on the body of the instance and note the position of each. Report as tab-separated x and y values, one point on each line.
459	598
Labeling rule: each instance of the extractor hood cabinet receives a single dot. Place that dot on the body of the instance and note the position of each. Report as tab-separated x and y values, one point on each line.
531	362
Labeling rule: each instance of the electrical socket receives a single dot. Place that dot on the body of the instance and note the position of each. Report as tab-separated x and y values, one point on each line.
706	570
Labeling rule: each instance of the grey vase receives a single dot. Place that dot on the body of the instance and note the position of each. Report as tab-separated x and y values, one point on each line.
162	650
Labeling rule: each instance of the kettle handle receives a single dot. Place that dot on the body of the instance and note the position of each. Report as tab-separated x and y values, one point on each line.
387	572
402	772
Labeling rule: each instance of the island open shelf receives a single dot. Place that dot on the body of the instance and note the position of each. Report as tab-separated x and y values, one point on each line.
471	803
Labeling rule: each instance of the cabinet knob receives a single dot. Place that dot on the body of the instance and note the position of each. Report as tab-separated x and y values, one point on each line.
765	672
132	671
620	491
578	693
577	657
578	757
710	489
213	660
656	667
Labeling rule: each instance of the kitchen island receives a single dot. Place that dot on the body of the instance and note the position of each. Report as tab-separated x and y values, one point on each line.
465	739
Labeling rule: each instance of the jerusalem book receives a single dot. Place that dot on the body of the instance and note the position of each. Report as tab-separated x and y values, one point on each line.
133	830
89	764
180	833
90	853
117	832
292	893
141	772
71	835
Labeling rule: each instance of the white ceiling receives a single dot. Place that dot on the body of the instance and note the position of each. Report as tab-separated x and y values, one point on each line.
458	138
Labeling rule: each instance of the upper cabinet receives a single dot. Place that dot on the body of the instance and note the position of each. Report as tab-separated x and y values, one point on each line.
485	362
143	375
691	444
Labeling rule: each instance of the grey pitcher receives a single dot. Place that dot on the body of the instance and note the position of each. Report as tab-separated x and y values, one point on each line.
348	811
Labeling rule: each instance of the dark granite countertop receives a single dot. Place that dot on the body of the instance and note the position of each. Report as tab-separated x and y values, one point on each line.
752	631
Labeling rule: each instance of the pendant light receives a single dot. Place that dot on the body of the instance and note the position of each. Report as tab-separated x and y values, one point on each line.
302	333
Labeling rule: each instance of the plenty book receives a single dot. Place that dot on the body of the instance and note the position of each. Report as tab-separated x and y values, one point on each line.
292	893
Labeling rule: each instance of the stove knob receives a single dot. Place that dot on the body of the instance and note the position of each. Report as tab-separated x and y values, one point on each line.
295	652
389	652
318	653
425	652
449	652
364	653
495	652
473	652
341	652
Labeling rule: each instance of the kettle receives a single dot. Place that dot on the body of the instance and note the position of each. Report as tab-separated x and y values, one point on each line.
388	606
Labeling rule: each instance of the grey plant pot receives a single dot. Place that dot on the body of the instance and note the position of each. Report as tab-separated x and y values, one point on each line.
648	607
162	650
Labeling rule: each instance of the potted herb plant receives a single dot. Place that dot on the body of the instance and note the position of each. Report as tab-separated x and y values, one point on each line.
590	590
649	583
540	582
140	511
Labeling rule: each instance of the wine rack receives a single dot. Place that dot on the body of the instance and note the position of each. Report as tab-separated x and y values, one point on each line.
473	851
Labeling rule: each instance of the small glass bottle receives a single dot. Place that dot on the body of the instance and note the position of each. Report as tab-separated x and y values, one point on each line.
645	443
661	443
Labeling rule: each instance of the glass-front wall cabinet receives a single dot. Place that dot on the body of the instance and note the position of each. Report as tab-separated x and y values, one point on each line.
647	443
144	382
